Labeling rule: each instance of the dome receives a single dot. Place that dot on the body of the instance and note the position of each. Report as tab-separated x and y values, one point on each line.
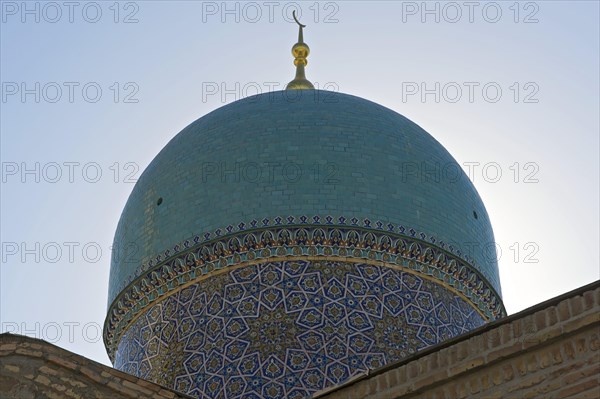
288	241
300	153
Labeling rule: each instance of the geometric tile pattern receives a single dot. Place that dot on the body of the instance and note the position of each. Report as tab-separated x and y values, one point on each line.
288	329
405	248
305	221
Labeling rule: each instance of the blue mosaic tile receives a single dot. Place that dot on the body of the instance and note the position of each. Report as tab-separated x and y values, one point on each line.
288	329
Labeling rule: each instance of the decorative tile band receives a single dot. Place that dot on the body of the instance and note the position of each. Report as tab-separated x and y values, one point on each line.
331	242
149	263
289	328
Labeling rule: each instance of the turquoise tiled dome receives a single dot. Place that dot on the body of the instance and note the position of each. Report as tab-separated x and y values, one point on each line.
306	155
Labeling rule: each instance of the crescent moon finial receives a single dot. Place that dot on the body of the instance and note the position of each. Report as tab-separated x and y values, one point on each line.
300	51
296	19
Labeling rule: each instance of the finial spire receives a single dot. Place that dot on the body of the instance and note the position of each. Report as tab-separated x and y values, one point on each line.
300	52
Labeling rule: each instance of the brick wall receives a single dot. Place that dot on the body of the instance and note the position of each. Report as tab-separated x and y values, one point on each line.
31	368
548	351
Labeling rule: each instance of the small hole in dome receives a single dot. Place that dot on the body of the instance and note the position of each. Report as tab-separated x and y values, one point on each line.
475	215
160	200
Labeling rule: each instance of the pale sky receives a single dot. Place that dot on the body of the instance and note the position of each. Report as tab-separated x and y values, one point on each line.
91	93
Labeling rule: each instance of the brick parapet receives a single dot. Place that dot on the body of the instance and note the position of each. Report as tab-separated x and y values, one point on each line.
31	367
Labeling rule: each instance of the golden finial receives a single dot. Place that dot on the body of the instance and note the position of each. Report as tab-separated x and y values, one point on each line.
300	51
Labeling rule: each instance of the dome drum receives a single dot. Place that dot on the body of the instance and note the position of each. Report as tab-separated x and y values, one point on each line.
282	287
